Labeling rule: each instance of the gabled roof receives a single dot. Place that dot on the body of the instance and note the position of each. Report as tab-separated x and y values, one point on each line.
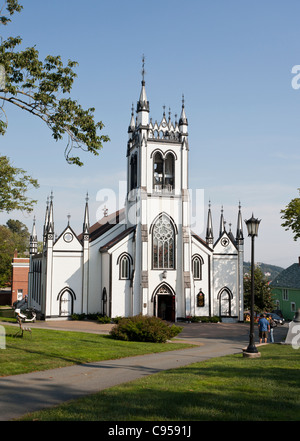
116	239
68	228
288	278
105	224
230	237
198	238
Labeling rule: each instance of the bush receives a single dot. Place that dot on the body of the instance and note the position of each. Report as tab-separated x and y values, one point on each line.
103	319
78	316
92	315
204	319
144	328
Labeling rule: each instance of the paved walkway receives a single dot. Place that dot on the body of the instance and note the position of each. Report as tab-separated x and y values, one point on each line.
20	394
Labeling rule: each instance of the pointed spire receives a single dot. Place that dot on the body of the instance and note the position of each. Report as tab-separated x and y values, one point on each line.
209	229
222	223
50	228
183	119
239	229
131	127
46	218
33	239
143	105
86	222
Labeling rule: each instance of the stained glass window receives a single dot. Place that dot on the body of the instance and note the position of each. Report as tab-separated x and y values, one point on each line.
163	243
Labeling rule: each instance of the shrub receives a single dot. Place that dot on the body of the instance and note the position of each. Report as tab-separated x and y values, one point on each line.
204	319
92	315
144	328
117	319
103	319
78	316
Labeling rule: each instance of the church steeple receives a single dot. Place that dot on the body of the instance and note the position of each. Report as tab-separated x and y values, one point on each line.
239	230
86	222
142	104
50	226
183	122
209	229
222	223
46	220
33	239
131	127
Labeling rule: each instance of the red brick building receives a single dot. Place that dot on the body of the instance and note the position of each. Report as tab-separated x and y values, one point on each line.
20	270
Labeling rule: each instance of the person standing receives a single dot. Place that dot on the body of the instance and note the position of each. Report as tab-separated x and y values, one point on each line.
264	328
272	325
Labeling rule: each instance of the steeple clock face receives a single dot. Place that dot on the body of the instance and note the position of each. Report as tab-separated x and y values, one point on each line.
224	241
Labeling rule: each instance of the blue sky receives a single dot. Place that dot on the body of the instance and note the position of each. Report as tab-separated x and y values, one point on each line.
231	59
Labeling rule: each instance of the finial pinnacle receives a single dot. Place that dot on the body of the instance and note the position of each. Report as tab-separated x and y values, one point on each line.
143	68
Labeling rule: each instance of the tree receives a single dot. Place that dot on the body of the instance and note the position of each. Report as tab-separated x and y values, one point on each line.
263	300
291	216
13	236
21	235
7	248
35	86
14	183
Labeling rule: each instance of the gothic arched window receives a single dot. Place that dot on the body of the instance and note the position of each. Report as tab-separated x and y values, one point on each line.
200	299
158	171
133	172
124	267
163	243
197	263
169	172
163	171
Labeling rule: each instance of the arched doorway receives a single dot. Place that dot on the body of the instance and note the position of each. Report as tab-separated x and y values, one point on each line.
225	297
164	303
66	299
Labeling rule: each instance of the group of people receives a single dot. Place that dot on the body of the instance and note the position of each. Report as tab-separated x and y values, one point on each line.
266	327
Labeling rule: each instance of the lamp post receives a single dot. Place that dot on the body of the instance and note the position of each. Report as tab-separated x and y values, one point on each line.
252	227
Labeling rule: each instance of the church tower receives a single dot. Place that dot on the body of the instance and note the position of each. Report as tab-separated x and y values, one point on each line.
157	205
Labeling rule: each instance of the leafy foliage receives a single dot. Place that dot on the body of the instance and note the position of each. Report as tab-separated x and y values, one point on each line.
263	300
14	183
291	216
36	86
144	328
13	236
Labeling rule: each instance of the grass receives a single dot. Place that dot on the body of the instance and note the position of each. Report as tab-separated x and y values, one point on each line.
230	388
48	349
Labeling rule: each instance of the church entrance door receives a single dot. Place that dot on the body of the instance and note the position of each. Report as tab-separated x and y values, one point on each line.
225	304
66	304
164	304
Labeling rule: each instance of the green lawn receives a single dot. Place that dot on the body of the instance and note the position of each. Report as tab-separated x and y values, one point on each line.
48	349
230	388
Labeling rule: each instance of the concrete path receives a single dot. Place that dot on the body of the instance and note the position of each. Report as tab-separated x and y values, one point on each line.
25	393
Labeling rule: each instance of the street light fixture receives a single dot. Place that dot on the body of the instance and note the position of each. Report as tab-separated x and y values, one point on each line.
252	227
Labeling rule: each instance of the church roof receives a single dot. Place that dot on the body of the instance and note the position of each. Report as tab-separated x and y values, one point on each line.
201	241
116	239
105	224
288	278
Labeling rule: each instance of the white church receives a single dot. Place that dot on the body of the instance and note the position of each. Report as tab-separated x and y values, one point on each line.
143	259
